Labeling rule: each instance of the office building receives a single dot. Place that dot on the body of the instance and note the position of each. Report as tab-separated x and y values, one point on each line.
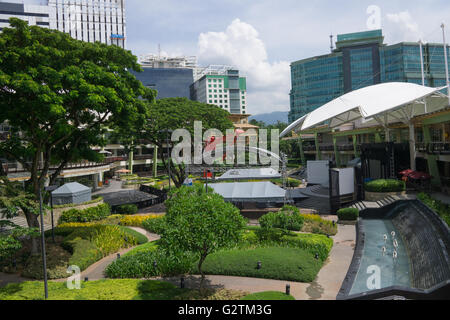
360	60
223	87
91	21
35	15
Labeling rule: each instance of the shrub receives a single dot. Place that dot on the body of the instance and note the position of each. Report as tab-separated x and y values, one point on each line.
442	209
137	221
8	246
84	253
141	265
140	238
127	209
288	218
155	225
315	224
383	185
348	214
87	215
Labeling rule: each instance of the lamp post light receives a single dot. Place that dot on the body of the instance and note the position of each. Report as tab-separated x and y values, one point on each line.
44	260
169	158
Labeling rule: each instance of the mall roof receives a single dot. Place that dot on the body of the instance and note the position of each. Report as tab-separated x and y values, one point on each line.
249	191
392	101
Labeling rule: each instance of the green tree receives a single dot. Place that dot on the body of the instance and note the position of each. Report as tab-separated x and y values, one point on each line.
181	113
59	94
13	200
200	222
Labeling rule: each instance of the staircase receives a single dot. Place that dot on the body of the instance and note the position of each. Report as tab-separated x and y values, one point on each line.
362	205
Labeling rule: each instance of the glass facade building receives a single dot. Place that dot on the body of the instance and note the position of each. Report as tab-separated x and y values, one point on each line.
361	59
35	15
169	82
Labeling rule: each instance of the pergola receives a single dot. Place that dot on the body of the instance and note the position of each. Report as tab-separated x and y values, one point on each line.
381	104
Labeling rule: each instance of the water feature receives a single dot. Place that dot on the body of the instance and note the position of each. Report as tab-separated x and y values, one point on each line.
387	253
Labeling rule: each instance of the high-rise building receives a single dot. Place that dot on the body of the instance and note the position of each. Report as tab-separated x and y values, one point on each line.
223	87
361	59
92	20
34	14
86	20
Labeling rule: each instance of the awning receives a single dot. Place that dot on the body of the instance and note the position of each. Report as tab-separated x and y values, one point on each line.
255	192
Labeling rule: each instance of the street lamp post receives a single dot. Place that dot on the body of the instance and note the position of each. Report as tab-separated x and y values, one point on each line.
51	189
44	262
169	159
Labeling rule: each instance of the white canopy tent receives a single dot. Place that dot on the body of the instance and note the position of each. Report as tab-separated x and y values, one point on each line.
381	104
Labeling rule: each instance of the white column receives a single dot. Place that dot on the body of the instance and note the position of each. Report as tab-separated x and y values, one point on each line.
412	145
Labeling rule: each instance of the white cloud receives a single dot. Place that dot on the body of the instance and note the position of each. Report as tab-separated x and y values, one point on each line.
240	46
404	27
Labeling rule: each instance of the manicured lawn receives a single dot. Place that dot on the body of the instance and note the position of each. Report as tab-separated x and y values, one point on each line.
94	290
291	264
268	295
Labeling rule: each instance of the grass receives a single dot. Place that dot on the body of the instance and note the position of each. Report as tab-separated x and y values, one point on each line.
290	264
268	296
94	290
113	290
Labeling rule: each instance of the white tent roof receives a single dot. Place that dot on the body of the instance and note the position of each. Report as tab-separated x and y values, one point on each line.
389	101
261	173
71	188
249	191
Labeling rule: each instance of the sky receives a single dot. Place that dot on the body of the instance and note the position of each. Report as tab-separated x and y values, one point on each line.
262	37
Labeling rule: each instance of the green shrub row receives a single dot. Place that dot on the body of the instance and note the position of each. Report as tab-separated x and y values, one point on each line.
385	185
348	214
127	209
142	265
154	225
442	209
86	215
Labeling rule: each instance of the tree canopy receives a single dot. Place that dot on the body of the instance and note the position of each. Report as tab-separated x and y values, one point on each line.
59	94
200	222
181	113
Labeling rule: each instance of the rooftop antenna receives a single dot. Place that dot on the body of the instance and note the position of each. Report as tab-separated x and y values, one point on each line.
331	43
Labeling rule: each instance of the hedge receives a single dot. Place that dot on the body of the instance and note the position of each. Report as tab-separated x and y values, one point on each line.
288	218
155	225
70	205
140	238
268	296
385	185
137	221
99	212
348	214
127	209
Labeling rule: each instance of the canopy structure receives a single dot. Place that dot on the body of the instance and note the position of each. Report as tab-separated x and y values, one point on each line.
243	174
71	193
382	103
255	192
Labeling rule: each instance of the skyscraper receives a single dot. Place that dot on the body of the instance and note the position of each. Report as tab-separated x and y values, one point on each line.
92	20
361	59
34	14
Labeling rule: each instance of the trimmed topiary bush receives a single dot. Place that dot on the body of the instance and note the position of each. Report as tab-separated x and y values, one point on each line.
385	185
348	214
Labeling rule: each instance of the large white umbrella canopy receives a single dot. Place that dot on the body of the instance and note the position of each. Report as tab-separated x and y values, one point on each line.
385	103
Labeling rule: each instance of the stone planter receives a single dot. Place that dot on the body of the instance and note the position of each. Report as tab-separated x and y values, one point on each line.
377	196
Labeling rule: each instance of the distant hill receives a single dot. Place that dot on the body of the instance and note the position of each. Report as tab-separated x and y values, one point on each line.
272	118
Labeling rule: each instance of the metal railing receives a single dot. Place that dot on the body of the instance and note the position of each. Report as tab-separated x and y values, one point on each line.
434	148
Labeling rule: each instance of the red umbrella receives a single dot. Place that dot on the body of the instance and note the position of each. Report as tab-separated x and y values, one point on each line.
416	175
406	172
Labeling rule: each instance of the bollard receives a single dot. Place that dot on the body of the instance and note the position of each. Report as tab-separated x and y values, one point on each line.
86	279
155	264
259	265
316	256
118	256
182	283
288	289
